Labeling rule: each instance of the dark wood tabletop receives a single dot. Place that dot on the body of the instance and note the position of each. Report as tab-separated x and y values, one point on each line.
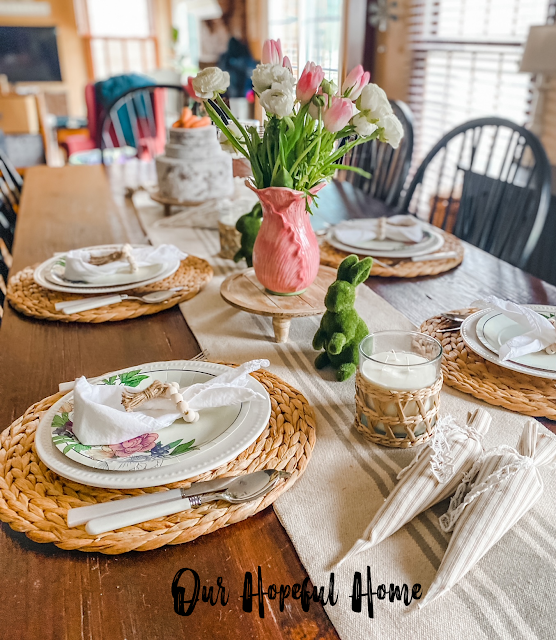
49	593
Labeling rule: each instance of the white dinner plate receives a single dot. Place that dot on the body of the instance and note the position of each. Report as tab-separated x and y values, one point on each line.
494	329
432	241
220	435
470	337
47	272
55	275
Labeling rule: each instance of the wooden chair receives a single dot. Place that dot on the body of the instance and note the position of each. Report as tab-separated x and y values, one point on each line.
388	167
7	228
13	181
488	182
139	119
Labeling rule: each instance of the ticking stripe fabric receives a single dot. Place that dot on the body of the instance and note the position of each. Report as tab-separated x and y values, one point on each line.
433	475
505	596
500	489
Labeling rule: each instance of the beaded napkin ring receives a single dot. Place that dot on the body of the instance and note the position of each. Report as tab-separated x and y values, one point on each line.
158	389
125	253
551	349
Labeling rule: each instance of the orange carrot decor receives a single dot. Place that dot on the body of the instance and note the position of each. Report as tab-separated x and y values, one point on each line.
189	121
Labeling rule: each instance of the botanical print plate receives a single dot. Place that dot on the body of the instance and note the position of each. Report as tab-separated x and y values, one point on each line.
187	445
44	275
494	329
432	241
470	337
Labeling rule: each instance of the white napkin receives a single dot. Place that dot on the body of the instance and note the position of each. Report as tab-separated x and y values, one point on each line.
99	417
78	267
207	215
539	332
401	228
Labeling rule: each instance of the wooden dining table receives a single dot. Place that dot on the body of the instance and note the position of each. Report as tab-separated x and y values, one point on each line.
51	593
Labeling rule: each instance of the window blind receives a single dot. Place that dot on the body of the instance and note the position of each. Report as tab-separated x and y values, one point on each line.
465	61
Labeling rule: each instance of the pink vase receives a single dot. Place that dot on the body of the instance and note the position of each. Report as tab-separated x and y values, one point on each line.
286	254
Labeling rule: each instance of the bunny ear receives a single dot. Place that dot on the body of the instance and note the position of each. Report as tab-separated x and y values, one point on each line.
344	270
359	272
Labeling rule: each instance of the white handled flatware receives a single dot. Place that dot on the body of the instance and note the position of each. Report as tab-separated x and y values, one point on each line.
241	489
81	515
86	304
446	255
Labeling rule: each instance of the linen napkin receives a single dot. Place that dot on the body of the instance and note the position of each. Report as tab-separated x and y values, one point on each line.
79	269
401	228
432	476
207	215
500	488
100	418
539	334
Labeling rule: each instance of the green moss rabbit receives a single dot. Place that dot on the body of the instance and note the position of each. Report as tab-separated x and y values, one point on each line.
341	328
248	225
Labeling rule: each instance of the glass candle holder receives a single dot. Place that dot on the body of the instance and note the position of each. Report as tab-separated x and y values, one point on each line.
397	387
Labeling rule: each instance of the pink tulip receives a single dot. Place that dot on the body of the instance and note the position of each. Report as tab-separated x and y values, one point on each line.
309	82
272	52
356	80
287	64
338	114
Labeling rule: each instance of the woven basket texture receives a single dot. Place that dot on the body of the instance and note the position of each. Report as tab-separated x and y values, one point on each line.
34	500
27	297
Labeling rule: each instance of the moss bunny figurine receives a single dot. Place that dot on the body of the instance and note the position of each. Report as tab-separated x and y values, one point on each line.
341	328
248	225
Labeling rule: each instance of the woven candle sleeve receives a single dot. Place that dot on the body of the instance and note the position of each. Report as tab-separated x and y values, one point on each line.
502	487
433	475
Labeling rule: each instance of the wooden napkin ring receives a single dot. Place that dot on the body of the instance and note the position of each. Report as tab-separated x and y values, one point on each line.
158	389
125	253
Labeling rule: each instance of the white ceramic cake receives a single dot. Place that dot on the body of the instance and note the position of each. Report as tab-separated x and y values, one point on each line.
194	167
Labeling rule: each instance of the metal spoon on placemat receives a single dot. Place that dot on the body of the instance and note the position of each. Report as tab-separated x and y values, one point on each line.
241	489
87	304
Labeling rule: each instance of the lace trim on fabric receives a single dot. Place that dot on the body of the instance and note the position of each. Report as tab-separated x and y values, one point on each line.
442	457
467	492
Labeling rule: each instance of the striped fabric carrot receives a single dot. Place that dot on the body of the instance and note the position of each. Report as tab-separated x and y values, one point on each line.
433	475
501	488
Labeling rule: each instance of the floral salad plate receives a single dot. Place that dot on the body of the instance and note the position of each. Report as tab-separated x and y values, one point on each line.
186	449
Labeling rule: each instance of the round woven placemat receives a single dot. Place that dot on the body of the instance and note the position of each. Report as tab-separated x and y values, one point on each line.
27	297
34	500
332	257
468	372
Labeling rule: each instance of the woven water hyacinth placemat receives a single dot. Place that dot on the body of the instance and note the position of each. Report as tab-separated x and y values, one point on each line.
29	298
468	372
332	257
34	500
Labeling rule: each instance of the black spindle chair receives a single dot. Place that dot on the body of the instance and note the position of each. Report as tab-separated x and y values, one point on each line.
139	119
388	167
7	228
13	181
488	182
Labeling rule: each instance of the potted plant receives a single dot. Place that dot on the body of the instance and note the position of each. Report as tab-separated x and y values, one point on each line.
297	152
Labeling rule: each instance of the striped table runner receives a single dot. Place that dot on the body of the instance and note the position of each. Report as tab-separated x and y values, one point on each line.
507	594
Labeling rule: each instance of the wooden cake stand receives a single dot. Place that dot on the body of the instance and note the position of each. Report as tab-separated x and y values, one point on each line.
168	203
243	291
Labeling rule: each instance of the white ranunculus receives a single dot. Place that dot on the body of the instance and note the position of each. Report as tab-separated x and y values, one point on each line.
225	143
278	100
362	126
393	130
210	81
265	75
374	100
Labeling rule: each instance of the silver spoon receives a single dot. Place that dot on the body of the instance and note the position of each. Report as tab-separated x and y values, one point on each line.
241	489
456	317
86	304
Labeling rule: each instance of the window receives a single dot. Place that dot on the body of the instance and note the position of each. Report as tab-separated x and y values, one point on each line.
119	35
309	30
465	61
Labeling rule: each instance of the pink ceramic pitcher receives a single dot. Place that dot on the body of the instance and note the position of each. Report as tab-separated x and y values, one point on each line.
286	254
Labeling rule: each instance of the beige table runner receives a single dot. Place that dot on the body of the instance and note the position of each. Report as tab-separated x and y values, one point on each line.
509	594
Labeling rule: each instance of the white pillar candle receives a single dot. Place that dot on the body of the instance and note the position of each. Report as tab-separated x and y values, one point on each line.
400	371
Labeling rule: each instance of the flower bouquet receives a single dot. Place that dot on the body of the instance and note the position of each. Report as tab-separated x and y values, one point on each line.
297	153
